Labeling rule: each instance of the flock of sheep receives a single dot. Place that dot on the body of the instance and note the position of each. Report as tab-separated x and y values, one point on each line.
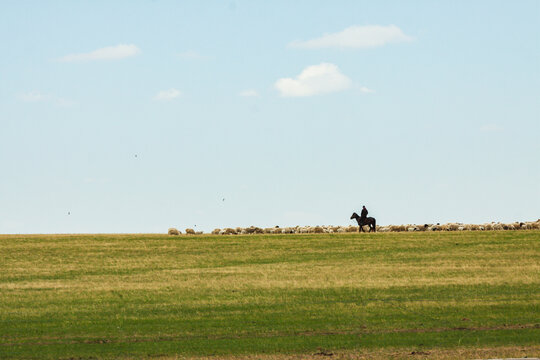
530	225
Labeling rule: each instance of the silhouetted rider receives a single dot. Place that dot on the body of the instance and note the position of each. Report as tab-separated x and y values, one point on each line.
363	214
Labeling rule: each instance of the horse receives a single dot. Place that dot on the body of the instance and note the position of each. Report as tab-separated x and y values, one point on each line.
367	221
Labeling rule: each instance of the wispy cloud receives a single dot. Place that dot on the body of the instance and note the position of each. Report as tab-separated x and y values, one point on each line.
107	53
491	128
366	90
313	80
33	96
249	93
356	37
191	55
168	95
37	96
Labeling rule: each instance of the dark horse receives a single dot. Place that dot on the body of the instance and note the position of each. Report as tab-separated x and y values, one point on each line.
367	221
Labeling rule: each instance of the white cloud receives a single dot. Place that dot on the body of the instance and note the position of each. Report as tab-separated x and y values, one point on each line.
356	37
313	80
366	90
107	53
167	95
191	55
249	93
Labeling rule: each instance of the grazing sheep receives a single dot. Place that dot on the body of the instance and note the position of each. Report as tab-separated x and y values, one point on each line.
258	230
289	230
216	231
508	227
229	231
190	232
173	231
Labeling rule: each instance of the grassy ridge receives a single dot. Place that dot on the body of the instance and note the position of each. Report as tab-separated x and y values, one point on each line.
137	295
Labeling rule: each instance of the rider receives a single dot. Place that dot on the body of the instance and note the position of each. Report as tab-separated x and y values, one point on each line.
363	214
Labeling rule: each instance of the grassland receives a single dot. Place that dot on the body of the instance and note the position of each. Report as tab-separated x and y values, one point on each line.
394	295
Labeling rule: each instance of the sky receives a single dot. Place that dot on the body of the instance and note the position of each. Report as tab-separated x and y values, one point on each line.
137	116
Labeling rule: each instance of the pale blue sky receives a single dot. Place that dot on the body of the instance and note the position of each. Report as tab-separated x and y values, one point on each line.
137	116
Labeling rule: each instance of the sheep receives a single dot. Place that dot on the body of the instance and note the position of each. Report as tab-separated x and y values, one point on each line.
173	231
190	232
508	227
328	229
497	227
229	231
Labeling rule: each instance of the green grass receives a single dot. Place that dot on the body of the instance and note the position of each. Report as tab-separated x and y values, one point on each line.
117	296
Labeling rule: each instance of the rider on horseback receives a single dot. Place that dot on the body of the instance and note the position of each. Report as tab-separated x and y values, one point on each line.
363	214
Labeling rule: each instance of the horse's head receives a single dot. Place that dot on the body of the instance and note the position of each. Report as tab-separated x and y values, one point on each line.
354	216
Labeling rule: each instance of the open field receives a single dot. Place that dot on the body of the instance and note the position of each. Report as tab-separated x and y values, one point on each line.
442	295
